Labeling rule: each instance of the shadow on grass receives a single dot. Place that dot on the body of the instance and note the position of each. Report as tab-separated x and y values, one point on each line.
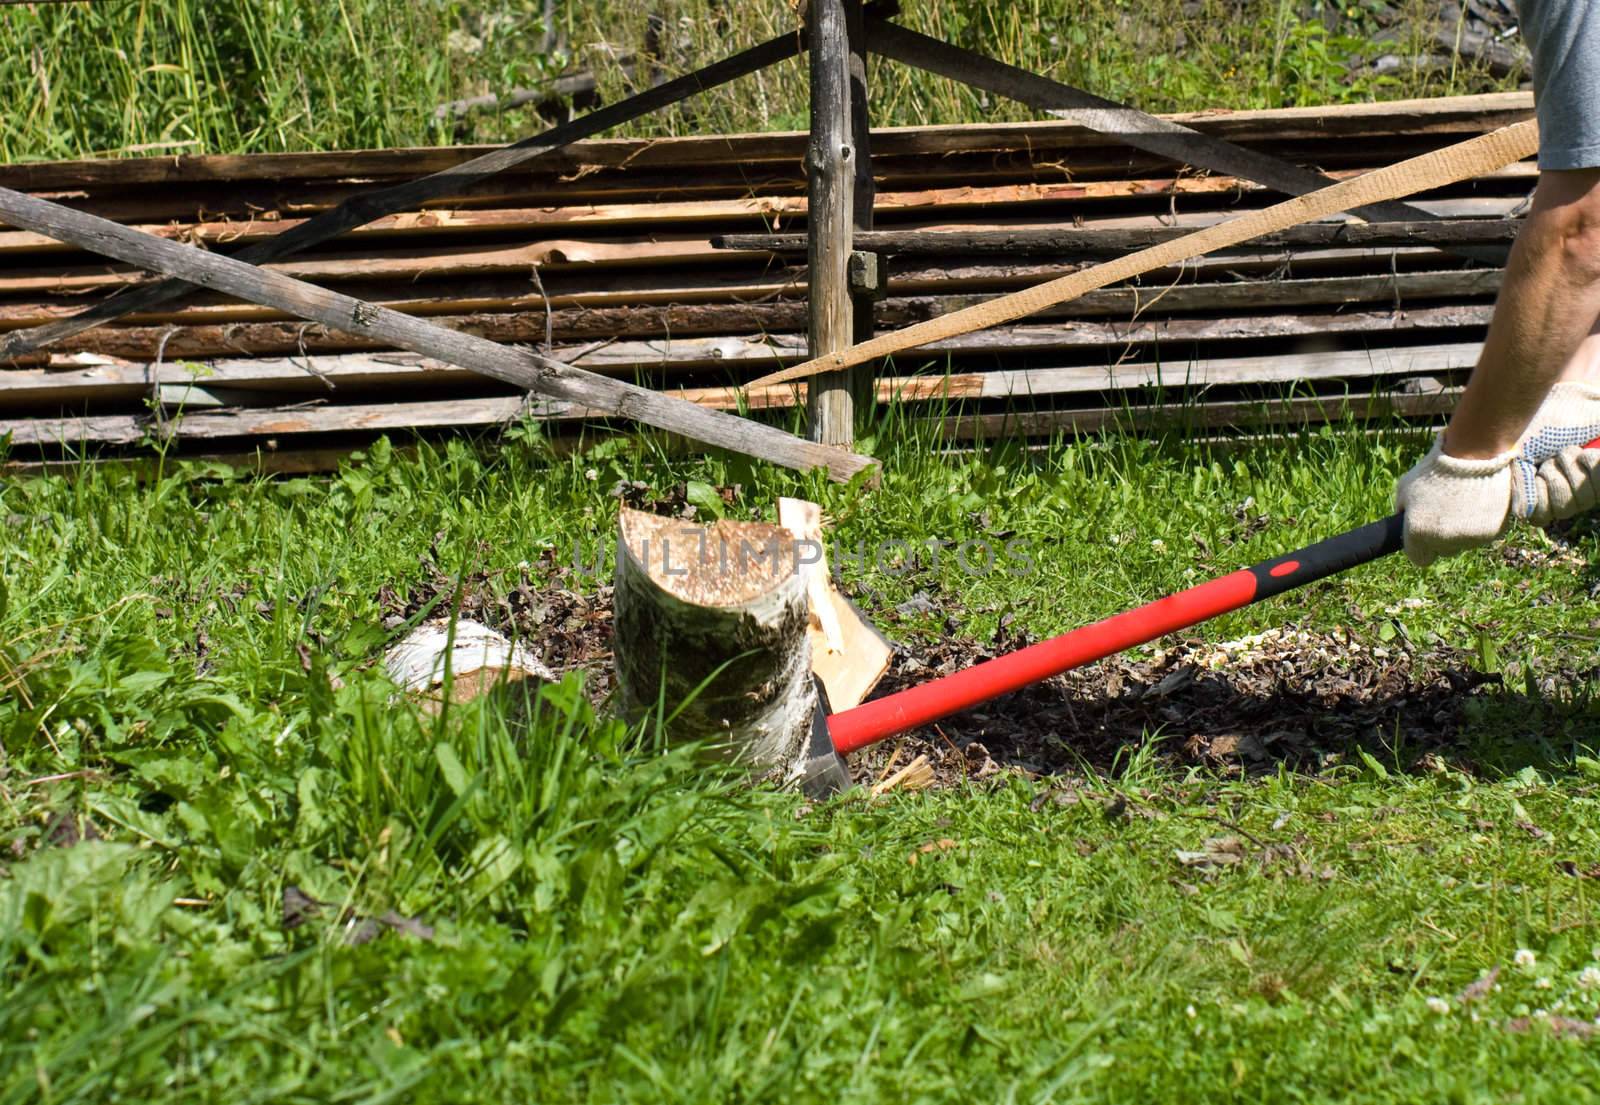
1298	701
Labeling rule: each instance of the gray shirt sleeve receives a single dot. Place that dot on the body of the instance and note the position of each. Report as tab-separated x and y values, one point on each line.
1564	37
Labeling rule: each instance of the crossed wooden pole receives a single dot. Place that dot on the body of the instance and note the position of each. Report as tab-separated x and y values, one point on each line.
843	280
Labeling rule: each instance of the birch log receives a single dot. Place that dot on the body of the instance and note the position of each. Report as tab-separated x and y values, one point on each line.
710	622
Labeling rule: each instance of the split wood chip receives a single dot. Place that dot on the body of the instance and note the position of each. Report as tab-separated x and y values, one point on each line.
804	521
916	775
847	653
1220	851
931	847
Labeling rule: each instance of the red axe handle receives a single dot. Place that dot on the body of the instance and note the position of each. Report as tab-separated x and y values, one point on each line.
884	717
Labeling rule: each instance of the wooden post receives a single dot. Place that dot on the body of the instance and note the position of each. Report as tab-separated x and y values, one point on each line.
831	172
866	269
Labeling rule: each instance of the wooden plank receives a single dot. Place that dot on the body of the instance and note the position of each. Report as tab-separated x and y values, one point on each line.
1246	295
763	212
269	379
583	258
1137	128
1182	377
420	262
404	197
1179	376
1445	116
1234	415
525	370
830	172
179	203
1111	242
197	465
128	430
732	304
1393	299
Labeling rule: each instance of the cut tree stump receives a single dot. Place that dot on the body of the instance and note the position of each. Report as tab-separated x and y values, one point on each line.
710	625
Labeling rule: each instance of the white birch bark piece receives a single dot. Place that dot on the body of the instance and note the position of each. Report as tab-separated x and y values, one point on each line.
478	658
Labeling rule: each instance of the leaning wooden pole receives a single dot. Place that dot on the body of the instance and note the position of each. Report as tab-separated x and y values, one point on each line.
514	366
830	174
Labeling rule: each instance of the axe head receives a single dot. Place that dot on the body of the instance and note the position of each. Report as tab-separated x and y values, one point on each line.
825	772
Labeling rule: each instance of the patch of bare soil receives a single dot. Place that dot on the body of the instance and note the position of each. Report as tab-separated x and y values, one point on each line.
1302	699
1288	697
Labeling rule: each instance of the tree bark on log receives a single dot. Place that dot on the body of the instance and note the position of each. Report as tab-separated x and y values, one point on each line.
710	627
471	657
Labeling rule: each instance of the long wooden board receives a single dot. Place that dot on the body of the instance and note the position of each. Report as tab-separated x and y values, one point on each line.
1444	117
1181	377
1385	296
88	378
1283	413
1091	242
772	211
223	329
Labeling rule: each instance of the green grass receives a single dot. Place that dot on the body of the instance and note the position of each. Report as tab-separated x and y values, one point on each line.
614	922
158	77
186	665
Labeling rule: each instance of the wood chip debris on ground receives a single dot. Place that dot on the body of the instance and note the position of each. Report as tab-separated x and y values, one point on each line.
1305	699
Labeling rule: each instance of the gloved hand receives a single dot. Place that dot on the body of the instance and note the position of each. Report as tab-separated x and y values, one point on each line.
1453	504
1567	485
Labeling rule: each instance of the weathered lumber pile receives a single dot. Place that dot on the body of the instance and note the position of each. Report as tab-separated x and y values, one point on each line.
1484	33
674	263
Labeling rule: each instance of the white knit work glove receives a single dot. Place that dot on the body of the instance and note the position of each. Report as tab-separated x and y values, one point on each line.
1453	504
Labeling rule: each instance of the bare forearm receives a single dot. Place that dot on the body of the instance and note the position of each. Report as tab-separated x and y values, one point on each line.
1542	324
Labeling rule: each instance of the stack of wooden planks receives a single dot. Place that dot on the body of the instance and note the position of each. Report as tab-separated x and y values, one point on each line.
676	263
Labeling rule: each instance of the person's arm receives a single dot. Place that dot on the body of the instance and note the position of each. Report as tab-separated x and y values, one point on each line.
1544	324
1530	397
